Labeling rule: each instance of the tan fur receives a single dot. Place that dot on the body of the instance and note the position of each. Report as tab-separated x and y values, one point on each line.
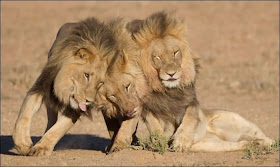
64	88
160	36
124	138
67	84
126	66
169	65
228	131
154	41
193	131
125	63
112	96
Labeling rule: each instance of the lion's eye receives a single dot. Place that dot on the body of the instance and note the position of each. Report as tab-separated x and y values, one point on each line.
112	97
176	53
100	84
157	57
87	76
127	87
82	56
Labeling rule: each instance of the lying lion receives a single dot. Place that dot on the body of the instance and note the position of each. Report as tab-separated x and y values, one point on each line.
75	69
155	79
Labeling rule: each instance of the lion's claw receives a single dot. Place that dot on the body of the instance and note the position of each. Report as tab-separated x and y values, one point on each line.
136	147
181	145
23	149
117	146
39	151
22	142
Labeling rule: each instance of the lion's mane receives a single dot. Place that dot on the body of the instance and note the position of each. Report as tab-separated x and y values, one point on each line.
158	26
89	34
165	103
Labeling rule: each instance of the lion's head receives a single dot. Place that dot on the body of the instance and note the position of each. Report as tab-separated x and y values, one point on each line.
125	83
121	93
77	64
77	81
166	59
125	86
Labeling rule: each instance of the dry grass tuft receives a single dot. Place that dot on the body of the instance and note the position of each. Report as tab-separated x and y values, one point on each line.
156	143
253	151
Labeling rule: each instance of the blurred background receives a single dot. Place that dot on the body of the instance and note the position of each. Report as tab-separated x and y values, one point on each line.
237	42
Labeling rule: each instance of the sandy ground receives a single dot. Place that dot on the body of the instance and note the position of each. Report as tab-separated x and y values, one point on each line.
238	45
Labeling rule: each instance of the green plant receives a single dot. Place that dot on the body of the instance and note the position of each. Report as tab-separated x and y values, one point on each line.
253	150
155	143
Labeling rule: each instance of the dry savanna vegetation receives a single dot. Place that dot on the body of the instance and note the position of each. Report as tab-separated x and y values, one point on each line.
238	46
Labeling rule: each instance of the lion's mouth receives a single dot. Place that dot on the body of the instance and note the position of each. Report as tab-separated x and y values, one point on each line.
83	106
171	82
78	105
172	79
132	112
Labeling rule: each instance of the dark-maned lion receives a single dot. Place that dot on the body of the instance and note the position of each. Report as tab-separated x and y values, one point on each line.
76	65
159	84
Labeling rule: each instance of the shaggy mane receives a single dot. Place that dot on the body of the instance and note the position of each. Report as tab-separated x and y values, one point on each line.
126	60
89	34
165	103
157	25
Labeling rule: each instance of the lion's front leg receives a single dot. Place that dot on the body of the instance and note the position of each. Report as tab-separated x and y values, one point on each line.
52	117
47	143
123	138
153	124
21	133
183	138
113	126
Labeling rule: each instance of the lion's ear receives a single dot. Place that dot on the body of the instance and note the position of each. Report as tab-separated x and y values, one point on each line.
83	54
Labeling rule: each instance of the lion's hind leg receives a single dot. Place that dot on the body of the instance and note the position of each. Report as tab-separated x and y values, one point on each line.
212	143
232	127
192	129
21	133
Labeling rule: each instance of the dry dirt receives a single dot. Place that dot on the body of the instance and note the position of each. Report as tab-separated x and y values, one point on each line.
238	43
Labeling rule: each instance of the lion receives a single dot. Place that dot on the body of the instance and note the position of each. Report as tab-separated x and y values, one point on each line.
68	83
113	114
170	68
166	70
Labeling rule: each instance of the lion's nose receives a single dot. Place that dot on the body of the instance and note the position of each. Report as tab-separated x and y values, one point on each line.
171	74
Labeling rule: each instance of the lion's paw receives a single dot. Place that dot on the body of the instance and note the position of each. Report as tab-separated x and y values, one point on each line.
118	146
38	150
22	144
136	147
23	149
265	142
181	144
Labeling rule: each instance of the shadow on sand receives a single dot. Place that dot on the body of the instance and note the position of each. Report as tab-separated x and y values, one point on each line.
69	141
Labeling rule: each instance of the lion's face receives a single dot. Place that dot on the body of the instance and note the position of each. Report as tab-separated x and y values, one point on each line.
169	61
124	86
120	90
78	80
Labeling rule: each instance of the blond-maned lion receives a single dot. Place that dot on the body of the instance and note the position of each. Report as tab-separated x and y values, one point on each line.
116	111
171	69
166	71
76	65
166	42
